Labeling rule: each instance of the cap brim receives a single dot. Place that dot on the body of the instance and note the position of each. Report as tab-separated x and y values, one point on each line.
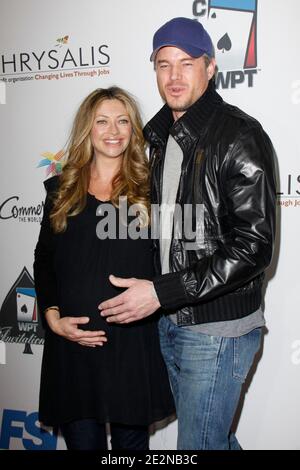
191	50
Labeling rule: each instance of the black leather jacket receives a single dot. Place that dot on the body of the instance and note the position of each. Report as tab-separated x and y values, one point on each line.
228	166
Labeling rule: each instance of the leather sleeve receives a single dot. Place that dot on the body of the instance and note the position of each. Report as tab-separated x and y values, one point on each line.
250	193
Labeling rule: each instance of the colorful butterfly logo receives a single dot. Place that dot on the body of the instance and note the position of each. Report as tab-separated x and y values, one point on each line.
61	41
52	162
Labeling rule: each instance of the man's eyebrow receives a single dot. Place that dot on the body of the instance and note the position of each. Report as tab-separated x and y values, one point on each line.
188	58
181	60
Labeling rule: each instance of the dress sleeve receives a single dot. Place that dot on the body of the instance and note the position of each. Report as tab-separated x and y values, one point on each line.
43	267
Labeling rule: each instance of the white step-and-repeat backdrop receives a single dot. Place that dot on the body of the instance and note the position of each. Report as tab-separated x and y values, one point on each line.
52	54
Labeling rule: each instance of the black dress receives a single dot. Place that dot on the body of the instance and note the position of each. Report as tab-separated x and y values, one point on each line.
124	381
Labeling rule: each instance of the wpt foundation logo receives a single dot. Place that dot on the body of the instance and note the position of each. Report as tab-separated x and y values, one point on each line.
19	320
232	25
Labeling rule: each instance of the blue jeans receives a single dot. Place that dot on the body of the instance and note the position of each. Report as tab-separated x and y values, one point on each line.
206	375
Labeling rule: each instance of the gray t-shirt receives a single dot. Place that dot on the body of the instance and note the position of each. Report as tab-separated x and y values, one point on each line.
171	177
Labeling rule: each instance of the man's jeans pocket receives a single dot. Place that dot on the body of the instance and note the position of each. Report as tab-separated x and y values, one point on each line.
244	349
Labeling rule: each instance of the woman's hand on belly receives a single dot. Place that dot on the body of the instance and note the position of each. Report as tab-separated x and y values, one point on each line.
68	328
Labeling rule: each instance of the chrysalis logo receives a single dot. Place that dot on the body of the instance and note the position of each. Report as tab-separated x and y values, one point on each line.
232	25
63	60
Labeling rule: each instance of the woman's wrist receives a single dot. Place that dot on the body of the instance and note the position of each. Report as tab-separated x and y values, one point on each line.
52	315
54	307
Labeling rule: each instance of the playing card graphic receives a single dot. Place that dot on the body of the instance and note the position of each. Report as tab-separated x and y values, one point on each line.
232	27
19	318
26	304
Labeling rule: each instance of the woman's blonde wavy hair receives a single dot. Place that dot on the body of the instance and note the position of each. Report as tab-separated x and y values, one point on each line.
133	178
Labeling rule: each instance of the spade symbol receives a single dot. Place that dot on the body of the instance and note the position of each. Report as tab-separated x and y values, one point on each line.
24	308
214	15
224	43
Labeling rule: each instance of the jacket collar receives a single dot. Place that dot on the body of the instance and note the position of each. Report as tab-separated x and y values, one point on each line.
190	124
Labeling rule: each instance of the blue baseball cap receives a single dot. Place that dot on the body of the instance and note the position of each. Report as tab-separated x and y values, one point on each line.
186	34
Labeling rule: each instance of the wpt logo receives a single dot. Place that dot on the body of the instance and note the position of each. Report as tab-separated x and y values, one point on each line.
2	92
19	320
232	25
